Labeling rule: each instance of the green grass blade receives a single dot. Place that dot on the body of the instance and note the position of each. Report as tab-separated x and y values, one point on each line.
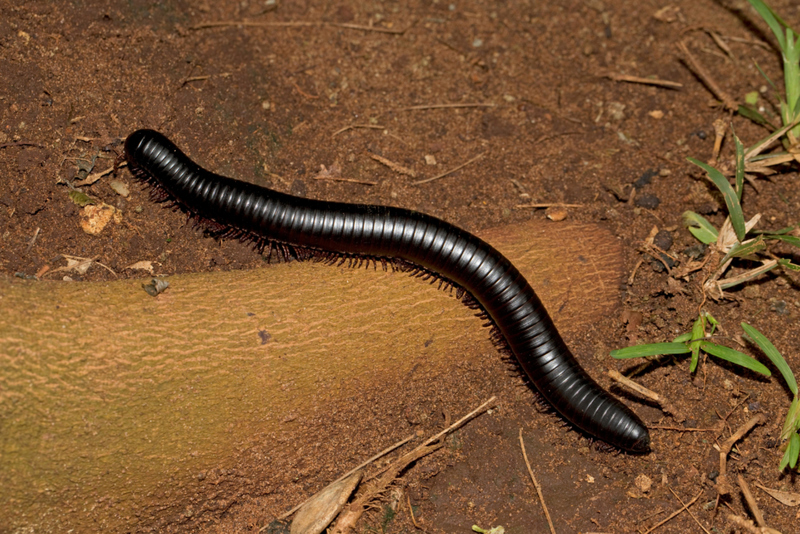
792	240
739	166
793	450
771	19
792	423
749	113
699	226
735	357
787	264
683	338
653	349
695	349
731	200
742	250
773	354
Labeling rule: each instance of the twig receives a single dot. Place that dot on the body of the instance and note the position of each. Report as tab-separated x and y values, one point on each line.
354	126
673	514
725	448
751	502
20	143
688	511
701	72
536	483
451	171
447	106
340	179
348	518
554	205
666	406
370	28
646	81
411	512
384	452
394	166
195	79
684	429
749	526
249	23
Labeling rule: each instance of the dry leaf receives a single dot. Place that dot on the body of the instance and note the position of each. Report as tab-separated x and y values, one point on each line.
94	218
784	497
143	265
322	508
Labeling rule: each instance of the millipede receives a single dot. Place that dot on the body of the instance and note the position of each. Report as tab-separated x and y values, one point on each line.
389	234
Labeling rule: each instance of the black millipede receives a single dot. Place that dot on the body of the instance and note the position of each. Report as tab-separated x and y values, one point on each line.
395	234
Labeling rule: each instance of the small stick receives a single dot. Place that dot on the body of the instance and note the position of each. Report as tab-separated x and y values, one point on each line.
340	179
451	171
447	106
725	448
673	514
370	28
394	166
688	511
536	483
646	81
749	526
692	62
666	406
384	452
751	502
225	23
195	79
411	511
354	126
20	143
555	205
682	429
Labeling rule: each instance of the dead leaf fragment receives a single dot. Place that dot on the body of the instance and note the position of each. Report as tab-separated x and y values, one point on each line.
94	218
644	483
787	498
667	14
143	265
322	508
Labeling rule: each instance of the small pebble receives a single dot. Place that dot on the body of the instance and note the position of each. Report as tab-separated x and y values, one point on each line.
778	306
648	201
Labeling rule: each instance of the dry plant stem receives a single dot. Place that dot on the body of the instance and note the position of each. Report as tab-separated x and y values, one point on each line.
451	171
749	526
396	167
665	405
645	81
350	180
556	205
720	127
751	502
295	24
411	513
688	511
447	106
356	126
725	449
384	452
696	67
673	514
349	517
536	483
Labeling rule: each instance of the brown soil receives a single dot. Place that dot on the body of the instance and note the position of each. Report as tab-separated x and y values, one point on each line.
267	104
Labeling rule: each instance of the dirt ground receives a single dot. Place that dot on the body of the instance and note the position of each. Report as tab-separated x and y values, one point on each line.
268	104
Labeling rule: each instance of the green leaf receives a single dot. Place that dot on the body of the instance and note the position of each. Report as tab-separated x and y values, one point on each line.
749	113
792	422
735	357
751	98
699	226
683	337
771	19
787	264
653	349
792	240
739	166
699	328
80	198
741	250
773	354
731	199
695	348
793	450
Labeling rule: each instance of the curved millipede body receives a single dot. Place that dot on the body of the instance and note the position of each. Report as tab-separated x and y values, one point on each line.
400	235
